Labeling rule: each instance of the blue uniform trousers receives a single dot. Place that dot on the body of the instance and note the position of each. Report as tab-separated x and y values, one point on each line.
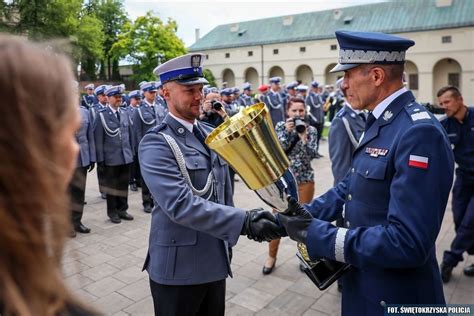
463	214
117	188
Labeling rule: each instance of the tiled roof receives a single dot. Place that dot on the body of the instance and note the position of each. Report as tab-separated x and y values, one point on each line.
388	17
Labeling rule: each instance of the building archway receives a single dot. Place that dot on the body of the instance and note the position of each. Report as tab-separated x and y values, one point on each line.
411	77
229	77
251	76
304	74
276	71
331	77
446	71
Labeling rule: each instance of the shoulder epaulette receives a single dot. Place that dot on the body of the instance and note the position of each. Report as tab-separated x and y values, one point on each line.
418	113
102	110
158	128
341	112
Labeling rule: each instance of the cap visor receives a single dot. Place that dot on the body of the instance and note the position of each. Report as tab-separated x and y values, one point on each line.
343	67
191	81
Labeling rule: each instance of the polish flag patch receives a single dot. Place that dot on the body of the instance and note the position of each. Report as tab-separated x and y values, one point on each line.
418	162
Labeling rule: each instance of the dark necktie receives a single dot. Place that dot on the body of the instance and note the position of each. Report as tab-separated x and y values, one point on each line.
370	120
362	116
118	115
197	132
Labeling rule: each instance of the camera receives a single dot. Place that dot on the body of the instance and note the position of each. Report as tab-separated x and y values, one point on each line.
300	125
216	105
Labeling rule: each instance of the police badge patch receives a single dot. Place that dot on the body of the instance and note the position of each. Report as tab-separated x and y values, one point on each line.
196	61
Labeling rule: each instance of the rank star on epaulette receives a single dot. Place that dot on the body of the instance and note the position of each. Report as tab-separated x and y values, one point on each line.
375	152
387	115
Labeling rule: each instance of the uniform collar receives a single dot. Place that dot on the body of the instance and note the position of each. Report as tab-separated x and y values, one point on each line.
186	124
379	108
113	110
148	103
353	110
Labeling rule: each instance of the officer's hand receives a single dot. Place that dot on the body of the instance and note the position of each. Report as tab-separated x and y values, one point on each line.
261	225
91	167
296	220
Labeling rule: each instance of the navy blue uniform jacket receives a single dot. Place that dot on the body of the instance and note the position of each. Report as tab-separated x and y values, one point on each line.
395	194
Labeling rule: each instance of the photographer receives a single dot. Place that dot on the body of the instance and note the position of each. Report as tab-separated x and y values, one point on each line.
298	139
212	110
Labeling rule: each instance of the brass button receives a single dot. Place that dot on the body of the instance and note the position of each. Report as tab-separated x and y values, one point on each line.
349	197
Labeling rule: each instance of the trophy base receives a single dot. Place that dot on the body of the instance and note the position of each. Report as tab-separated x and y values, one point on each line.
323	272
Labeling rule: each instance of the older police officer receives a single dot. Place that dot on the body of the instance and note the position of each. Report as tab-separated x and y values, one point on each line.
395	192
194	223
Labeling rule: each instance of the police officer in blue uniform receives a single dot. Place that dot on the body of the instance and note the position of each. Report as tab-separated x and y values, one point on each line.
194	224
459	124
344	135
316	113
291	89
275	101
160	100
99	105
135	101
227	100
246	98
147	115
395	192
114	152
85	162
88	100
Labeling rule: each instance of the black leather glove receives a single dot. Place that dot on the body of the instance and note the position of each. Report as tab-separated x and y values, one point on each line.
91	167
296	220
261	225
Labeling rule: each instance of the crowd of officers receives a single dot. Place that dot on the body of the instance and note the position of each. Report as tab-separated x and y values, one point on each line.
114	122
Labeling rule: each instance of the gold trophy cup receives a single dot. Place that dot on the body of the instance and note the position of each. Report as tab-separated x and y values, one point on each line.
248	142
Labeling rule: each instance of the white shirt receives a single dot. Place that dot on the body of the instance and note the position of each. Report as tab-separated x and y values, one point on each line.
148	103
379	108
186	124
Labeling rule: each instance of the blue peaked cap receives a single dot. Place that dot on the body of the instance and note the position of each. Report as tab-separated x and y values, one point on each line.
100	89
148	86
114	90
185	70
357	48
135	94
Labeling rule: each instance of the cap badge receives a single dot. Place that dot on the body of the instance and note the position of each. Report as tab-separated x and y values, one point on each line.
195	61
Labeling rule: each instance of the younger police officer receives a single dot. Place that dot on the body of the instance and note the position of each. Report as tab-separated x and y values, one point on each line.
114	152
194	223
459	125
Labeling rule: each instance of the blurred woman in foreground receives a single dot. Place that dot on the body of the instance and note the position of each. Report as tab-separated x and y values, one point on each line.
38	154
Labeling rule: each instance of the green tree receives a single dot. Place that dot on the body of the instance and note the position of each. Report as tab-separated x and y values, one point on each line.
145	41
90	39
113	17
210	77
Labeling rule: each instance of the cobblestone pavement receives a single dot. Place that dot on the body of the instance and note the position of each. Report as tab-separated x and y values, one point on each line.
104	267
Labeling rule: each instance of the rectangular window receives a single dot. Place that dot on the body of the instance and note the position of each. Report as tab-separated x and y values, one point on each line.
250	53
453	79
303	49
275	52
334	47
227	55
446	39
413	81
